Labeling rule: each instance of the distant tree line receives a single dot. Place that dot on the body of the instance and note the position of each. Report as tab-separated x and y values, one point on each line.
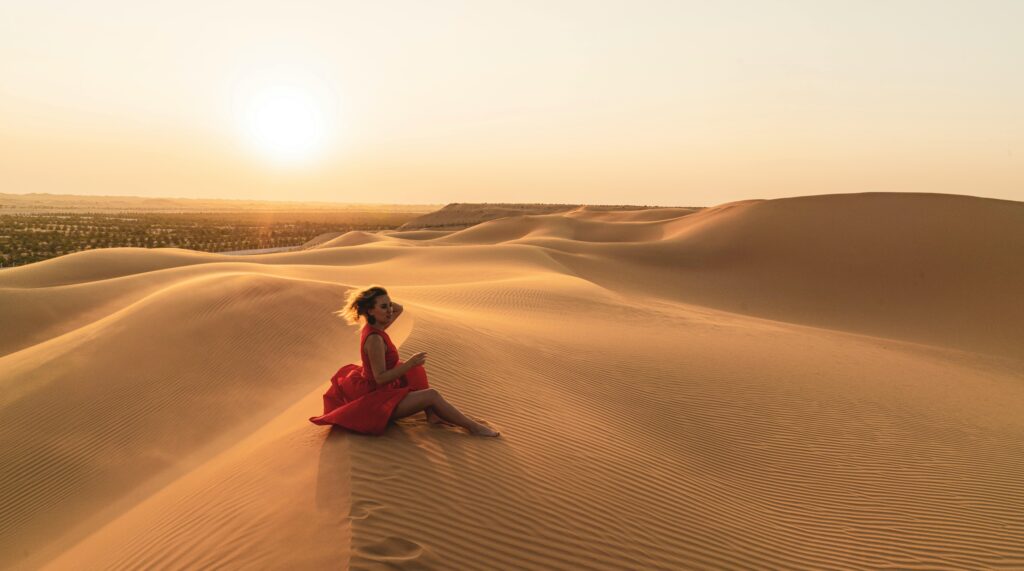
27	238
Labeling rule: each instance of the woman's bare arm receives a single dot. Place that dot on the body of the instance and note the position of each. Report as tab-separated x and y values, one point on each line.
375	350
398	310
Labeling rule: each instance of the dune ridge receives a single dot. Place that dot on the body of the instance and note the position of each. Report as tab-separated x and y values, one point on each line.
823	382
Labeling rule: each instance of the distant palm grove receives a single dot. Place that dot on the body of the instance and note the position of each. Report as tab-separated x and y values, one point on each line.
27	238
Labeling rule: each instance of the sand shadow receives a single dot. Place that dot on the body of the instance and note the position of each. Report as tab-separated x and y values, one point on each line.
334	476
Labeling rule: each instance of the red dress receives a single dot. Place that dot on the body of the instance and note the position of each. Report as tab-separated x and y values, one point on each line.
355	401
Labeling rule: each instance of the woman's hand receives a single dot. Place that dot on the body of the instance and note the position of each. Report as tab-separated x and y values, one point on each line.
417	359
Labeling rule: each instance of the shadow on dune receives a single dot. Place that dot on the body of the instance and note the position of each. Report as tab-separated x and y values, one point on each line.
332	477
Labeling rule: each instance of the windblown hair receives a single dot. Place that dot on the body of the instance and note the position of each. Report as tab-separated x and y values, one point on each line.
359	303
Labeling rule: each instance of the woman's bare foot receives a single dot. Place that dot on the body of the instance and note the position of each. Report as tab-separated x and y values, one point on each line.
483	430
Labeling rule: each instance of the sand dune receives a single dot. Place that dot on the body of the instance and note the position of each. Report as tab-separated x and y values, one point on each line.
461	215
815	383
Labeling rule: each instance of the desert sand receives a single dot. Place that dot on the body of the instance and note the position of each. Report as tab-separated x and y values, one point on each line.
824	382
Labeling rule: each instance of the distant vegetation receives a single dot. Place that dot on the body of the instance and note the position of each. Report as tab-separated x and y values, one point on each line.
34	236
40	226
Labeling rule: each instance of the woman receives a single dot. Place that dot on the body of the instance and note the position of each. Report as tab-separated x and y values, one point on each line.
365	398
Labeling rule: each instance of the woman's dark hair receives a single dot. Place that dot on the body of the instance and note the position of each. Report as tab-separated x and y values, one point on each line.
359	303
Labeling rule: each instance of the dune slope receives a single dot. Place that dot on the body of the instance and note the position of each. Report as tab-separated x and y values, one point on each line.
810	383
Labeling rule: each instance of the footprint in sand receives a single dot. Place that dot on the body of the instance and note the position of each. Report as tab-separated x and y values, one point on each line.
362	509
392	549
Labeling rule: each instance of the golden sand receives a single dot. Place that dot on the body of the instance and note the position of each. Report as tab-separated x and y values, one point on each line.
820	382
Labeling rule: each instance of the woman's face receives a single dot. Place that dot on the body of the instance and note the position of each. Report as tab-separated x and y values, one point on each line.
382	310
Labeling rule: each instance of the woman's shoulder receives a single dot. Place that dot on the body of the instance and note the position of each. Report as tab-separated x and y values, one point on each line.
370	331
371	339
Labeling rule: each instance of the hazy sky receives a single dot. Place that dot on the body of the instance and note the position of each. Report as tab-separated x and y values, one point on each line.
669	103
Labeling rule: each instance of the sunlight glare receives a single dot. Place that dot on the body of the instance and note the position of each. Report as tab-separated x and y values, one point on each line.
285	123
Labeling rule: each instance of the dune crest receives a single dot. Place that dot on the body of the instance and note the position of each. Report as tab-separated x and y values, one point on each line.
817	382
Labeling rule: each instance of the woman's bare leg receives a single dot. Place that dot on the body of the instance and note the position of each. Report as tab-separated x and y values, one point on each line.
416	401
433	417
416	379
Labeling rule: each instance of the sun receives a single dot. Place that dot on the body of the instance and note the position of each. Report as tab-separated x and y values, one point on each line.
285	123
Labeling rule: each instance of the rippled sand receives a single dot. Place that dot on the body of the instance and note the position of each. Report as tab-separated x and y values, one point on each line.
819	382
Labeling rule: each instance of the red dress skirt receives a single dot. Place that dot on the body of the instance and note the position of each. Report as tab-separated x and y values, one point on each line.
354	400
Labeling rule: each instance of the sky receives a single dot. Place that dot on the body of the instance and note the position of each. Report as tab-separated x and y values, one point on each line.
679	103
